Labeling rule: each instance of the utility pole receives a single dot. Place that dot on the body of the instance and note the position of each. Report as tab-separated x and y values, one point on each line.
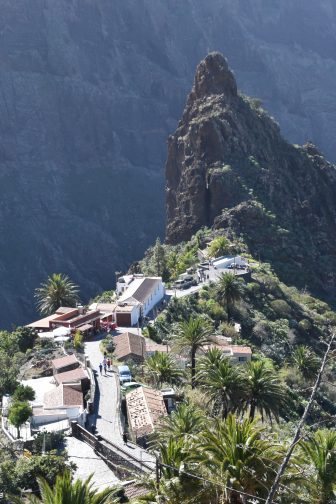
296	437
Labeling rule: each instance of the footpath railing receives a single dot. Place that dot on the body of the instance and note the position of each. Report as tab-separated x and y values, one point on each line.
120	461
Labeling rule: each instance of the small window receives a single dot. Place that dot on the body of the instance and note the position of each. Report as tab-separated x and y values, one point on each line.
242	359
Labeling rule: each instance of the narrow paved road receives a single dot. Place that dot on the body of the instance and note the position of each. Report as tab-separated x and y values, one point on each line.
107	408
88	462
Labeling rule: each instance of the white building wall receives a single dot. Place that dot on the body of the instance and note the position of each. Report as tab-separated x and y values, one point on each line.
135	315
154	298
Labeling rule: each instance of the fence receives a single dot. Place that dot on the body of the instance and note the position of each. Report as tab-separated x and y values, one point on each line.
120	462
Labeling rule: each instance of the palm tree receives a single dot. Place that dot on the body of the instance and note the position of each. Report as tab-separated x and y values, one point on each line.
69	492
235	454
224	384
218	247
320	453
229	291
306	361
175	486
186	422
161	368
57	291
210	360
191	336
265	392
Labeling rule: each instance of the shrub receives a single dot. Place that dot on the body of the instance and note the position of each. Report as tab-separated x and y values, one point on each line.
78	340
281	308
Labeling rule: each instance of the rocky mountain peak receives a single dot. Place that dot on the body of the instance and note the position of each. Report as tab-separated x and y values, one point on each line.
213	76
229	167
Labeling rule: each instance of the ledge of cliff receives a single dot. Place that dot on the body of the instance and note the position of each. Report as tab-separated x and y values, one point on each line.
229	167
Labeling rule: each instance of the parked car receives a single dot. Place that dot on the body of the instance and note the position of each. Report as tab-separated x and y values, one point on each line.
185	283
124	374
129	386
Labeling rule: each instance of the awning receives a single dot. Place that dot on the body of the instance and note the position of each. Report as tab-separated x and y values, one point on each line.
61	331
85	327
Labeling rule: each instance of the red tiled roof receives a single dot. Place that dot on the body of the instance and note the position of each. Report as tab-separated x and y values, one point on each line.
72	376
44	322
64	361
129	344
134	490
64	395
144	406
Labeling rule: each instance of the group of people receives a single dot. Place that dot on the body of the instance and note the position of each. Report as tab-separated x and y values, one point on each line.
106	365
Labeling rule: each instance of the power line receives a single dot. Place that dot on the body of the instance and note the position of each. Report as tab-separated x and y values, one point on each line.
296	438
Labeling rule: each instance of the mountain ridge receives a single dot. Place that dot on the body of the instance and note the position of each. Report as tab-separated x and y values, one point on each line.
228	166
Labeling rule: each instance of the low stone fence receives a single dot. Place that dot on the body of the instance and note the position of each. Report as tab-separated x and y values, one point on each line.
90	402
120	462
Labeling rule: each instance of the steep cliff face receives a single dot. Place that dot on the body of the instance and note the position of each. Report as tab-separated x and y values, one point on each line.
90	90
229	166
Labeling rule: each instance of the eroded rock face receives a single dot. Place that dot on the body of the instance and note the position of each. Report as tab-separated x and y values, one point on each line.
229	167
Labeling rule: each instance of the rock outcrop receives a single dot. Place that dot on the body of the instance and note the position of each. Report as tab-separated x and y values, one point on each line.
229	167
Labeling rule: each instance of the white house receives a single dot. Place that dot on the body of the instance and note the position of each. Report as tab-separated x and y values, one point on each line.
229	261
148	291
60	405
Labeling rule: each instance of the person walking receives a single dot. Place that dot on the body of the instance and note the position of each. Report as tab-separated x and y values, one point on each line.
108	363
100	368
105	368
125	438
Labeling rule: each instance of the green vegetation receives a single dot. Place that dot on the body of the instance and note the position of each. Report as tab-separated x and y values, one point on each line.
78	340
18	414
234	421
229	291
161	368
65	491
218	247
57	291
192	335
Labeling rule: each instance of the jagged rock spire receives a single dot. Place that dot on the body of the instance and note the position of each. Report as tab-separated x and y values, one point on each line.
213	76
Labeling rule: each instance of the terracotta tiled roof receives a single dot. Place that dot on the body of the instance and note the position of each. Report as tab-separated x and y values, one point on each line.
241	349
144	406
134	490
64	395
229	349
72	376
129	343
43	323
64	361
65	309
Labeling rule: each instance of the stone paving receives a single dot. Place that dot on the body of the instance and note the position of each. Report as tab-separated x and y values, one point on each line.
88	463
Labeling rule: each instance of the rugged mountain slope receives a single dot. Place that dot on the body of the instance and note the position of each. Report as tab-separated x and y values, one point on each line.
228	165
90	89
